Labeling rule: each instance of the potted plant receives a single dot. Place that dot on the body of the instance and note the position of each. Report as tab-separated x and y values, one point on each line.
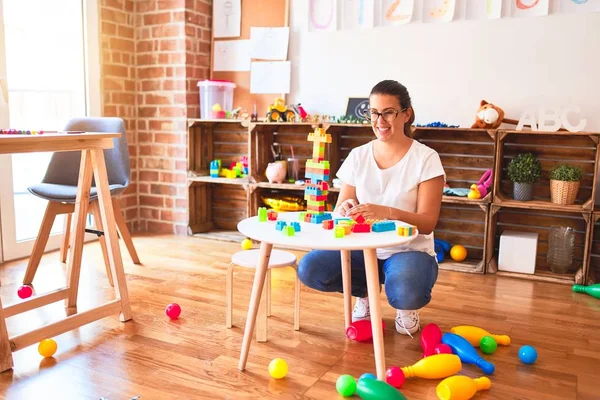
524	170
564	183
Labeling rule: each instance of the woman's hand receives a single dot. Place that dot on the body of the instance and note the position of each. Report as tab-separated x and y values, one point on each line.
347	205
370	211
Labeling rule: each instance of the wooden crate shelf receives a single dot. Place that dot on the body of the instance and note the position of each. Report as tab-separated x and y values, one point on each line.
217	204
466	155
579	149
540	221
465	224
226	140
216	207
593	275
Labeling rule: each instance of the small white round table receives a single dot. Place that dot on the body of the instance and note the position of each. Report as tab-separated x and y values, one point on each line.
315	237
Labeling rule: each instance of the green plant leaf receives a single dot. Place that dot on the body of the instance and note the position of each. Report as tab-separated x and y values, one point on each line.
566	172
524	168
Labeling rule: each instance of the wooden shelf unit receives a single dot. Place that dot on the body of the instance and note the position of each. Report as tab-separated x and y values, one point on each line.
593	274
217	204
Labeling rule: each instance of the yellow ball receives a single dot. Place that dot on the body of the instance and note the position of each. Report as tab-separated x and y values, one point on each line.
278	368
246	244
47	347
458	252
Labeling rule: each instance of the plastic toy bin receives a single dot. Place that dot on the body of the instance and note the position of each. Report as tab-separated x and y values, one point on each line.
213	93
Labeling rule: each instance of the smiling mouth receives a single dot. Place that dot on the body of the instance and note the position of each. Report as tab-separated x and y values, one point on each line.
383	130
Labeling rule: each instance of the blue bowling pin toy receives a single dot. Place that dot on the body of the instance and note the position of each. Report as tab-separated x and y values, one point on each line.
466	352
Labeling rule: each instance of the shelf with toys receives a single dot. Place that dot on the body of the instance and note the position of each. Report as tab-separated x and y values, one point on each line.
477	205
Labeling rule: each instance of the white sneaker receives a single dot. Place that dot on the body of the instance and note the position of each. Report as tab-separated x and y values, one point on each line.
407	322
361	309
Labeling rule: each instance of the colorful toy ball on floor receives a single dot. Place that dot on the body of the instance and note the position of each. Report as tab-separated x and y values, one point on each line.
25	291
527	354
346	385
246	244
278	368
173	311
47	348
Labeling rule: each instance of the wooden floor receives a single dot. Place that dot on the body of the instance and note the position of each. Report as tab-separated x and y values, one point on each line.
196	357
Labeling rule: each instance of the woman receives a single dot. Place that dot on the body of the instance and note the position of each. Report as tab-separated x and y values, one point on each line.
392	177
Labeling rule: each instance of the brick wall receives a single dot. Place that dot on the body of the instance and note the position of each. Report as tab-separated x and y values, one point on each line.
118	74
168	52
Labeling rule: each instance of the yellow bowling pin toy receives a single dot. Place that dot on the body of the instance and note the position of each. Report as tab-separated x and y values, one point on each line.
474	334
459	387
436	366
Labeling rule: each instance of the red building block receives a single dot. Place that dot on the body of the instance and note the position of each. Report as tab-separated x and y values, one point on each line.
328	224
359	218
272	215
361	228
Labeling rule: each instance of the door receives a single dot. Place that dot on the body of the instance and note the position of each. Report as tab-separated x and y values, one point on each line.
44	73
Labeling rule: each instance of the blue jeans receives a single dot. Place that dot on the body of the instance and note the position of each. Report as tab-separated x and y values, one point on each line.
408	276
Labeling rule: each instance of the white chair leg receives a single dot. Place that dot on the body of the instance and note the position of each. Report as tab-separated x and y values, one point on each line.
297	302
268	283
229	297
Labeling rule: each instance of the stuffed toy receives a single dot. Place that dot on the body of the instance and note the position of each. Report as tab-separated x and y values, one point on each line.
490	116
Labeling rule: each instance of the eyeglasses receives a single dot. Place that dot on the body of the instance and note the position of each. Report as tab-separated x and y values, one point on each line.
388	115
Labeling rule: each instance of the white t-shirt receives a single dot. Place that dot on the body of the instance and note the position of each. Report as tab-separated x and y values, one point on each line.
395	187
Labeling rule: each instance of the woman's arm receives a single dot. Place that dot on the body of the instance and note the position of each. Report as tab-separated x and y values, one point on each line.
429	202
347	195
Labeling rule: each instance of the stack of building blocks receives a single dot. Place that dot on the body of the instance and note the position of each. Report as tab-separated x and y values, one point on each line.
317	175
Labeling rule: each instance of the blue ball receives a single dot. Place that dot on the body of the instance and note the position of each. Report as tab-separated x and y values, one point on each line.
367	375
527	354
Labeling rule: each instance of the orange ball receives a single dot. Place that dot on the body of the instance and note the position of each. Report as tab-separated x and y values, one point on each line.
458	252
47	347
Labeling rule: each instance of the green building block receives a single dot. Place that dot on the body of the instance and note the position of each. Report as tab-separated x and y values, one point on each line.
289	230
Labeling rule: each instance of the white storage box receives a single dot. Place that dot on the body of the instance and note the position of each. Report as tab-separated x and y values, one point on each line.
517	252
215	92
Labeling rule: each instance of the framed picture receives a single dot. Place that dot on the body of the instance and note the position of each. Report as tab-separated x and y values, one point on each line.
356	107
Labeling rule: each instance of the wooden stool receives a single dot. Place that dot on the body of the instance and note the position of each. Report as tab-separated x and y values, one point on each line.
249	259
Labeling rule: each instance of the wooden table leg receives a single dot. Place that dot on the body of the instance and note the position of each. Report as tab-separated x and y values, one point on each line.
263	311
372	271
81	206
6	360
110	232
347	286
257	288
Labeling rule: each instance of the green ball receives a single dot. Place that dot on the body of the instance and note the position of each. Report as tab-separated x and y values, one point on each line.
346	385
488	344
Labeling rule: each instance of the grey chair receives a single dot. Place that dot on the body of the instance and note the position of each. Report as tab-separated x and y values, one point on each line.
59	187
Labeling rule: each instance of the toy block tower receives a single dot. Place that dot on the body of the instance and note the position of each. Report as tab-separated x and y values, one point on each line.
317	175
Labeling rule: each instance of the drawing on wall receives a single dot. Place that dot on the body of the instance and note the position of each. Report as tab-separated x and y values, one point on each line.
438	10
579	6
529	8
227	16
357	14
487	9
397	12
322	15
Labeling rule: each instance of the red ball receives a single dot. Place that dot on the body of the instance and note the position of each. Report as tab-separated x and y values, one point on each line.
173	310
25	291
395	377
442	348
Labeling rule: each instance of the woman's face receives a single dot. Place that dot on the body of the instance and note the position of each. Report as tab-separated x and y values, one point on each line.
391	122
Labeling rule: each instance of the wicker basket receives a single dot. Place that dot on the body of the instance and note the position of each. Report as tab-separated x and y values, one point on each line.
563	192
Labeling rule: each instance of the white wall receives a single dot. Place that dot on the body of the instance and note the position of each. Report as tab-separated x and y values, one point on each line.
449	67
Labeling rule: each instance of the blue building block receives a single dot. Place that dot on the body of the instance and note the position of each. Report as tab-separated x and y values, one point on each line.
319	218
296	226
383	226
279	225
